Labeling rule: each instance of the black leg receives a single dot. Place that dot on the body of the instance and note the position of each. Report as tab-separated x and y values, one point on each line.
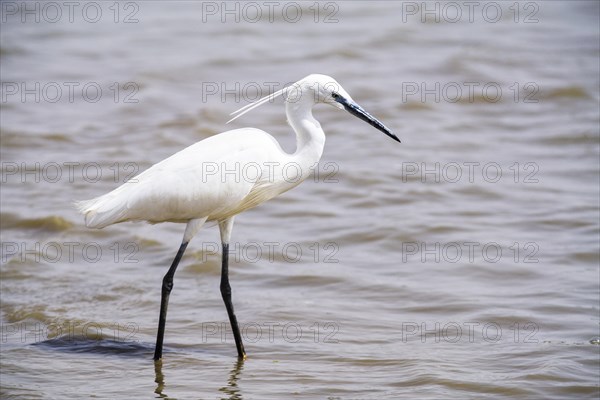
167	286
226	293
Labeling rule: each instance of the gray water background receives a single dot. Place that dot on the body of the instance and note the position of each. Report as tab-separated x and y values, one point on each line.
462	263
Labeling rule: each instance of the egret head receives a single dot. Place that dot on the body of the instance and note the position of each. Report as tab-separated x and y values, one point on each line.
332	93
317	88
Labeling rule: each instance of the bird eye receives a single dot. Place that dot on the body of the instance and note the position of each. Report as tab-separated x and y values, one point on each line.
335	95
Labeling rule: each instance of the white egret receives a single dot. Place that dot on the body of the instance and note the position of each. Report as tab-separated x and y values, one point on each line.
223	175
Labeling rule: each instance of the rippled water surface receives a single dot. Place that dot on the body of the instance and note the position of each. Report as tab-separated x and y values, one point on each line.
462	263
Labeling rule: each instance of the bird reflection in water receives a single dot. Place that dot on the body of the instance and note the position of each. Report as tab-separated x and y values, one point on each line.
231	390
159	378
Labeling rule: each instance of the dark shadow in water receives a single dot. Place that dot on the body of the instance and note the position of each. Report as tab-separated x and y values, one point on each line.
105	346
231	390
100	345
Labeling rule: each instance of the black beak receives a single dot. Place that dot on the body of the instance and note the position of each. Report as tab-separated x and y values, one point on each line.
359	112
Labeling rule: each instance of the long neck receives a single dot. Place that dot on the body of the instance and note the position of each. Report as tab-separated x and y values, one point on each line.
310	138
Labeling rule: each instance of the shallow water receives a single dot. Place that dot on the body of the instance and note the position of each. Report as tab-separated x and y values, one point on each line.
462	263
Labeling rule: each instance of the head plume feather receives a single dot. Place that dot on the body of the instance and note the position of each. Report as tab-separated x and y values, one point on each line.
249	107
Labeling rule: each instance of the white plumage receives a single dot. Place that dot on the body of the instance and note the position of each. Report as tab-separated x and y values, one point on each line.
216	178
